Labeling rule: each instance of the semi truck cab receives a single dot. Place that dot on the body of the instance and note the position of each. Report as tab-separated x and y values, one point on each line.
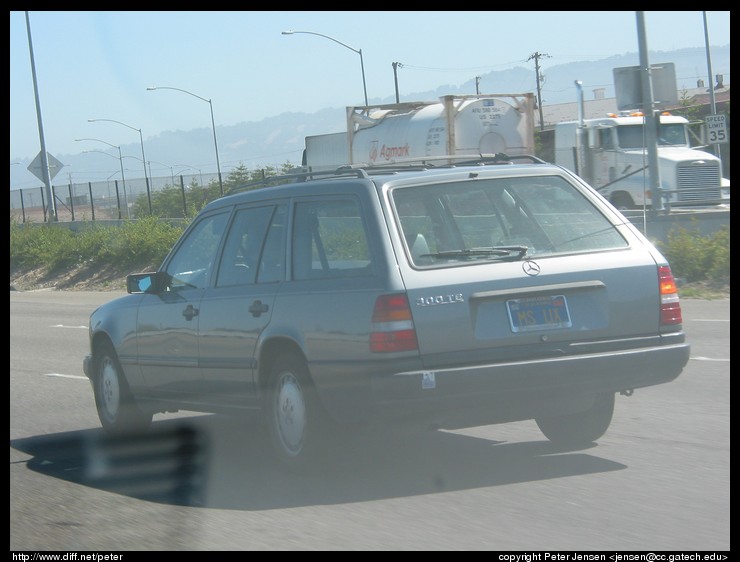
610	154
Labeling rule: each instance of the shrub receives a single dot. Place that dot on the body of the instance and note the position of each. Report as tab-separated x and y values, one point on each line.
133	244
145	243
699	258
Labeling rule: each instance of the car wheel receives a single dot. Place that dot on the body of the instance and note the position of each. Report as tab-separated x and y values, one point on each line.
581	428
116	407
293	414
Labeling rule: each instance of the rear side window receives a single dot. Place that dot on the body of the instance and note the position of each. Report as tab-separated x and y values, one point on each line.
329	240
499	219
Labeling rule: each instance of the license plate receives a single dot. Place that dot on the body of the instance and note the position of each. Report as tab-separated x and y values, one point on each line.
538	313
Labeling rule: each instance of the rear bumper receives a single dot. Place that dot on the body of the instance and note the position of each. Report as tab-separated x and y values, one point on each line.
518	390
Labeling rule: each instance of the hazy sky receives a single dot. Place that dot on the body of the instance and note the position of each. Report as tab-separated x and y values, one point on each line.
98	65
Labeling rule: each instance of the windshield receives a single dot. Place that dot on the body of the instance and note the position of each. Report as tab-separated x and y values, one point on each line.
499	219
669	134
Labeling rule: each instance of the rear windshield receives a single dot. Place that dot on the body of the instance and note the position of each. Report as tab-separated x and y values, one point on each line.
500	219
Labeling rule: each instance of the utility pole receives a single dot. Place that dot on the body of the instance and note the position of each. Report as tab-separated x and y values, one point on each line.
477	85
651	121
395	77
712	100
537	56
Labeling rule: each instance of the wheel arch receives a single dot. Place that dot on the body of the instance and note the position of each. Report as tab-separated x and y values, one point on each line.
270	351
622	199
98	341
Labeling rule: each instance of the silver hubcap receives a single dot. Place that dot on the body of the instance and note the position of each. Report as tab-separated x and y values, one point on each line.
290	413
110	392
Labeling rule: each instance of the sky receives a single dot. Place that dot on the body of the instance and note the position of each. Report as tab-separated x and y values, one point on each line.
99	64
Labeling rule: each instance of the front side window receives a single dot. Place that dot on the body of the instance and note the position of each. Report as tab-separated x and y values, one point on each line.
631	136
500	219
193	262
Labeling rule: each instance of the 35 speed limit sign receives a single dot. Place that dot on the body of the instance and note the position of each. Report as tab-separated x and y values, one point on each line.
716	129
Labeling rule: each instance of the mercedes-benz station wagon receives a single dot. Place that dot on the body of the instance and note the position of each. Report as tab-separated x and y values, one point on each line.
457	295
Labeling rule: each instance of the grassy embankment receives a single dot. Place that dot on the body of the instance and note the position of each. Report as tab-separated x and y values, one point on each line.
100	257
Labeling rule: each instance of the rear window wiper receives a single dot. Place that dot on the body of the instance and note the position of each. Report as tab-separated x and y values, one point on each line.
502	252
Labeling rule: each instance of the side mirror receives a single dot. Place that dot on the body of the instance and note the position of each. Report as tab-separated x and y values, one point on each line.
151	282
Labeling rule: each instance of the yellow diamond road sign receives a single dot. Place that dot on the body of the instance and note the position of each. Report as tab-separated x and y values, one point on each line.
36	168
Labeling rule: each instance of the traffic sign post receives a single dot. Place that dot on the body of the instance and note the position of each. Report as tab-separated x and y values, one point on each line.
37	169
716	129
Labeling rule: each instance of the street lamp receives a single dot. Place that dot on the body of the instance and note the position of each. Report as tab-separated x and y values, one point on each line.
172	173
179	172
143	158
213	125
190	167
150	173
112	156
358	51
120	159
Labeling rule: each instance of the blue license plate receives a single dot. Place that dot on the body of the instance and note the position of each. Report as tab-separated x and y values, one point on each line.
538	313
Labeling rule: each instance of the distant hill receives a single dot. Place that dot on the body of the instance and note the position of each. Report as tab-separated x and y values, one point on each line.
279	139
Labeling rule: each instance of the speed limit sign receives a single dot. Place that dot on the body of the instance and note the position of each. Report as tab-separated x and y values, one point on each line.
716	129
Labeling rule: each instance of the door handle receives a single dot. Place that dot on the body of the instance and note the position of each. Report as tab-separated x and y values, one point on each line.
190	312
257	308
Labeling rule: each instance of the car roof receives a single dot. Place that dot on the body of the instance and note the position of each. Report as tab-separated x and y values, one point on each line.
305	182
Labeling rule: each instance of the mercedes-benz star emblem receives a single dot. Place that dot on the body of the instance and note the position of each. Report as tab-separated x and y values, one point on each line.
531	268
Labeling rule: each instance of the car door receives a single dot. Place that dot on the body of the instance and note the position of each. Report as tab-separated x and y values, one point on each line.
236	309
167	324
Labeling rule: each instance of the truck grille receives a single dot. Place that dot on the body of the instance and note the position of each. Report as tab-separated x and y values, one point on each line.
698	182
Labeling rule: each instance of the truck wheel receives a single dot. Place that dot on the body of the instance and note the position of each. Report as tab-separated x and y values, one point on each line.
581	428
622	202
116	407
293	414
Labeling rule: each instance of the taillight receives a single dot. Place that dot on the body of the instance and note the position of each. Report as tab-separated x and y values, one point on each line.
670	307
393	328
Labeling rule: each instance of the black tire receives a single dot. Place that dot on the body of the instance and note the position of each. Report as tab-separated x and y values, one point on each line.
116	407
623	202
294	417
581	428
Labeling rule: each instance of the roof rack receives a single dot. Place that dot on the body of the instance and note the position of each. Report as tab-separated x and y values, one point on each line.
269	181
364	170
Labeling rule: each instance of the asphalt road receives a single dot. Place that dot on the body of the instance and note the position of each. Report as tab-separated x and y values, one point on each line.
659	480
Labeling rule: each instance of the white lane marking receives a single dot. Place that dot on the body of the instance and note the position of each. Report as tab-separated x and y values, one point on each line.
63	326
700	358
65	376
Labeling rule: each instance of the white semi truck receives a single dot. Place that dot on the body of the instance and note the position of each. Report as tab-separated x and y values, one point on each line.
610	154
472	125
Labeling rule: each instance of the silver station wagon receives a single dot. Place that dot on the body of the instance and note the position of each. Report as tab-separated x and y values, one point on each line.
456	295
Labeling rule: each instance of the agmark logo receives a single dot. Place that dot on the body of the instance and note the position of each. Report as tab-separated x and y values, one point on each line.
388	152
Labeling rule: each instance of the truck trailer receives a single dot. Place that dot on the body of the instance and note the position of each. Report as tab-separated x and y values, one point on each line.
473	125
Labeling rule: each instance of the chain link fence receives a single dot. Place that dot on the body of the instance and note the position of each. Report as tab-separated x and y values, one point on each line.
103	200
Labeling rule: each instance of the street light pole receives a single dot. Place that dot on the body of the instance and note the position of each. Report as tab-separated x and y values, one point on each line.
123	179
120	159
143	158
358	51
213	125
172	173
199	171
